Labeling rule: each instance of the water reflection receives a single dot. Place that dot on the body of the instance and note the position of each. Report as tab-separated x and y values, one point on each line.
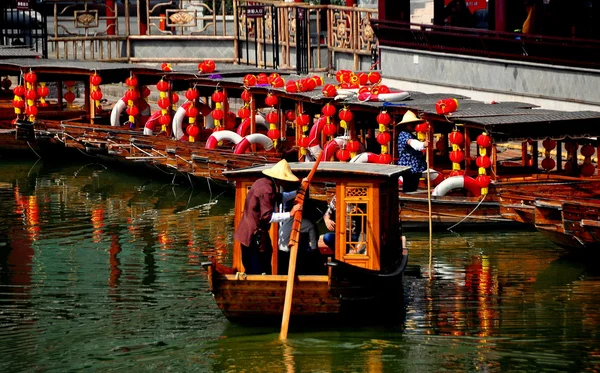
100	270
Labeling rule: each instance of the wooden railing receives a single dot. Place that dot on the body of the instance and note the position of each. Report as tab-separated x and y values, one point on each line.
494	44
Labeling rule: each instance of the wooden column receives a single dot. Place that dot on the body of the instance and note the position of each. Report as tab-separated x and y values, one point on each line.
499	13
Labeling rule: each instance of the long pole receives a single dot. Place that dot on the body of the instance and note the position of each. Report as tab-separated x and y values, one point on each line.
429	207
293	245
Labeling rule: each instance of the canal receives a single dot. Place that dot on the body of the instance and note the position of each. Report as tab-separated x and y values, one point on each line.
100	271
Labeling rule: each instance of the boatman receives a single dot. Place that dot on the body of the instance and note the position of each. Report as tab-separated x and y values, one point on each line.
259	213
410	152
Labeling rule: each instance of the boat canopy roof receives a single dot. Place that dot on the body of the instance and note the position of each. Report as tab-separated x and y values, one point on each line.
330	169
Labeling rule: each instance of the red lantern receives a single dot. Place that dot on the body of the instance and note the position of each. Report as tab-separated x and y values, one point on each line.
291	86
95	80
191	111
31	94
218	96
174	98
290	115
19	104
446	106
246	96
191	94
303	142
421	127
19	91
483	181
384	118
484	140
457	156
166	67
353	146
329	90
96	95
164	119
43	91
218	114
374	77
131	95
328	110
31	111
163	103
483	161
273	134
131	81
162	86
303	120
383	138
345	115
343	155
272	117
330	129
244	112
250	80
192	130
363	78
455	138
30	77
278	82
384	158
382	89
271	100
262	79
133	111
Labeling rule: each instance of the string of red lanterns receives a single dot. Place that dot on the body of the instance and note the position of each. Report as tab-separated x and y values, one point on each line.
272	118
164	104
191	112
548	163
18	101
30	95
132	95
218	97
96	93
484	141
69	95
384	137
456	155
43	92
303	120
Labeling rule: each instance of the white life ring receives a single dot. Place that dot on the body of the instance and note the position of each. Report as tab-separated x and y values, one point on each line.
216	137
457	182
253	138
365	157
390	97
244	127
121	105
151	123
180	115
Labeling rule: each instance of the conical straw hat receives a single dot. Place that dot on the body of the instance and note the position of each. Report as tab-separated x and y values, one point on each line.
281	171
410	117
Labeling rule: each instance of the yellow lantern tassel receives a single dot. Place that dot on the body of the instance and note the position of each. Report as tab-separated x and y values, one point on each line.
343	124
455	166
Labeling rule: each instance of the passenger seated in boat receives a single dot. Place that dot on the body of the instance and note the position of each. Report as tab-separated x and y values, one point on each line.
259	213
410	152
355	241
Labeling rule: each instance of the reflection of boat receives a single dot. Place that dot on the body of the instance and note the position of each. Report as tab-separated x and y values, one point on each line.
350	283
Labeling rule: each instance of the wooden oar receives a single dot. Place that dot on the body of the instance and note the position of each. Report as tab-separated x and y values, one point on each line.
293	245
429	205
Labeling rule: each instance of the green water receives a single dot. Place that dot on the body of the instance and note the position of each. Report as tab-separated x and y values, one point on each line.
100	271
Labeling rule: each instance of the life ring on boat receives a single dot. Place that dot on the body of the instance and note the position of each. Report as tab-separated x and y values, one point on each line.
244	127
228	122
151	123
121	105
180	116
389	97
365	157
457	182
216	137
253	138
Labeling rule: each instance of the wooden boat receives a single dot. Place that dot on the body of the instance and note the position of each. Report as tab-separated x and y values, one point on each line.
348	283
505	124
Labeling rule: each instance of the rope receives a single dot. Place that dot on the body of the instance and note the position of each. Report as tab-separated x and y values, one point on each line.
33	150
469	214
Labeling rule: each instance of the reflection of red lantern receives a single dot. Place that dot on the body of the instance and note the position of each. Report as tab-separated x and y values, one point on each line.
383	138
446	106
384	158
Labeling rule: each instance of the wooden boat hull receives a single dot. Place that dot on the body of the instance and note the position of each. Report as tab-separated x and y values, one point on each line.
345	292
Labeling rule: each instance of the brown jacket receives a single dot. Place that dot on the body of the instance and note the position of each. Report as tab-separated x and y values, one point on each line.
258	209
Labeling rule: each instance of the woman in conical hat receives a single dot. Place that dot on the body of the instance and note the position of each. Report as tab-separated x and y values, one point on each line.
259	214
410	152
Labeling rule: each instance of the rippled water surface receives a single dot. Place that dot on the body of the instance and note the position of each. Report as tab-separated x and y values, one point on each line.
100	271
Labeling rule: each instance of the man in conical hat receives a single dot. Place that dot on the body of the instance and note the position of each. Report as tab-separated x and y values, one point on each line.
259	213
410	152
